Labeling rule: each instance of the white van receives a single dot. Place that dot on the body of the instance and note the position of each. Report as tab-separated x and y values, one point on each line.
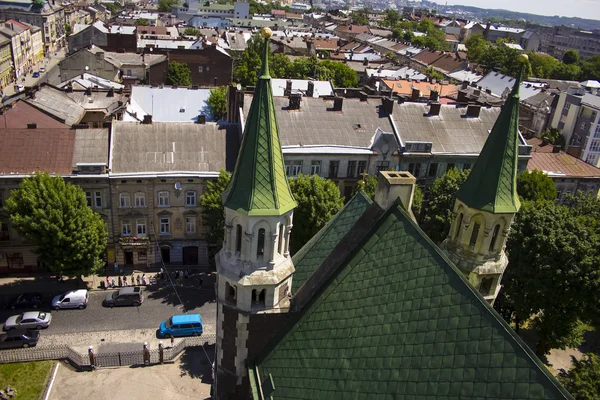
71	299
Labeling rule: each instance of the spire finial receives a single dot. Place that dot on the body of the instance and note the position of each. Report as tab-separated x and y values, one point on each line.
264	71
523	60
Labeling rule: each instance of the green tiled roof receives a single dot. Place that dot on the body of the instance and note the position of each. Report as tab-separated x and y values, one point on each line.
492	184
259	185
312	254
399	321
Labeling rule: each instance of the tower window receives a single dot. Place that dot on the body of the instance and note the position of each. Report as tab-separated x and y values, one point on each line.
458	225
494	237
230	293
474	235
281	238
486	285
260	248
238	238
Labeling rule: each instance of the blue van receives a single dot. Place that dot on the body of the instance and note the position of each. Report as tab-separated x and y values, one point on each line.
181	325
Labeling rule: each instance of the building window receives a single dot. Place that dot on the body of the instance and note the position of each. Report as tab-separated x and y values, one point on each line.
334	166
230	293
126	227
288	168
458	225
200	69
260	247
281	233
362	167
140	227
163	199
165	226
415	169
296	168
486	285
474	235
432	170
315	167
383	166
124	200
450	166
494	238
597	131
351	169
88	198
98	199
238	238
142	255
190	225
4	232
190	198
140	199
466	166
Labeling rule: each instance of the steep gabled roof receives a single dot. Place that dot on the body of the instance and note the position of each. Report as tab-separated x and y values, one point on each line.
312	254
259	185
399	320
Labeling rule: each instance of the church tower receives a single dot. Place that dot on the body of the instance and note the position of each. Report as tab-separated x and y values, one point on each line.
487	202
254	267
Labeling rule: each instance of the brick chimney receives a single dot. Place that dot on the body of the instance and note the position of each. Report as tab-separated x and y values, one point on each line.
392	185
388	105
294	101
147	120
416	93
338	104
201	119
434	109
473	111
310	91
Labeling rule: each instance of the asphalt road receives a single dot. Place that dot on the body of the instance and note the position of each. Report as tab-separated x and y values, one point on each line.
160	302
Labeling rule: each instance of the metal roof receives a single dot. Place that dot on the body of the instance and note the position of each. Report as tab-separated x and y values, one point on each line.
322	88
498	83
168	104
91	146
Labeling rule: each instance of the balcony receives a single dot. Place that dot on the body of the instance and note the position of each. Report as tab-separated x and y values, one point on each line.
134	241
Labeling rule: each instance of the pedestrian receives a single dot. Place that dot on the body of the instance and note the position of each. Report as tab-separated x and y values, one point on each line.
122	272
180	275
144	279
120	282
162	273
116	267
172	341
200	281
125	281
186	273
132	280
107	281
138	279
112	283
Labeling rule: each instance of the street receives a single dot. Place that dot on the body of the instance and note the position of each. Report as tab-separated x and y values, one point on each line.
160	302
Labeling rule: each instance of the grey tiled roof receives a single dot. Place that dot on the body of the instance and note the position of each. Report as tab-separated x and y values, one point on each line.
314	124
91	146
449	132
167	147
57	103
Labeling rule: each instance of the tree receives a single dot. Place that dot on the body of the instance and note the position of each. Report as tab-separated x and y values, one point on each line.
590	68
535	186
191	32
213	211
142	22
165	5
566	71
553	136
570	57
114	7
342	75
318	201
179	74
68	30
247	65
359	17
392	17
54	216
433	74
439	202
542	65
217	101
583	379
553	264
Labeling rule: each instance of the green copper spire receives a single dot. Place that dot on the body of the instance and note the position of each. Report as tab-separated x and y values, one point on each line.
259	185
492	184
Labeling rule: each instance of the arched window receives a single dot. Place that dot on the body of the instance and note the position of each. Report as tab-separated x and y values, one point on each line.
458	225
280	239
238	238
261	297
474	235
494	237
486	285
260	247
230	293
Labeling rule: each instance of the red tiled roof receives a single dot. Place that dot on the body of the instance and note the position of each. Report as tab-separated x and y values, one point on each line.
427	57
448	63
277	12
12	21
539	146
562	164
355	29
23	151
21	114
399	46
326	44
451	38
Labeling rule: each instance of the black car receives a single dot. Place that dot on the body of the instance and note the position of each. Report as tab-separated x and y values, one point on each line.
26	300
19	338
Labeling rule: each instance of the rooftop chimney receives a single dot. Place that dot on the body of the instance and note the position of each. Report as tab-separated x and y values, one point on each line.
416	93
88	91
147	119
434	95
473	111
310	91
388	105
465	85
288	87
434	109
295	99
392	185
111	93
338	104
364	96
201	119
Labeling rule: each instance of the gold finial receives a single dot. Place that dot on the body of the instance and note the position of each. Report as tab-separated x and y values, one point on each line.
266	32
523	58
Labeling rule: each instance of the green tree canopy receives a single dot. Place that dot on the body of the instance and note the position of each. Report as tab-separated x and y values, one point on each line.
439	202
217	101
318	201
570	57
213	212
433	74
583	379
191	32
142	22
114	7
552	273
360	17
535	186
54	216
179	74
165	5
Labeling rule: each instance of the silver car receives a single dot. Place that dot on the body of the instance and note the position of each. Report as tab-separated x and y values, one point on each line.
28	320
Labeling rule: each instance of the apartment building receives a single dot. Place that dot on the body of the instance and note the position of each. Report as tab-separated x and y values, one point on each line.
557	40
7	75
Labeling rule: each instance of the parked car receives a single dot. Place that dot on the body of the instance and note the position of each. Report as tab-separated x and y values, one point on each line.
71	299
42	69
19	88
26	300
127	296
36	74
28	320
19	338
181	325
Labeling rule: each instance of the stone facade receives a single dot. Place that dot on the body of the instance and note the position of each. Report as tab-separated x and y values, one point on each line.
51	18
6	64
